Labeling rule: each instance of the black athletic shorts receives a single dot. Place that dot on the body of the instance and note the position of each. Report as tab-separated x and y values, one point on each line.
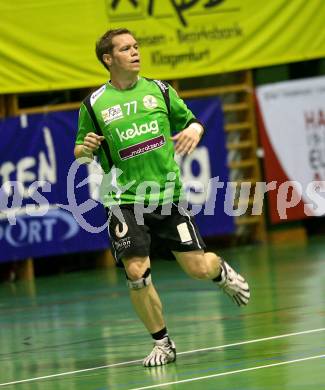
176	231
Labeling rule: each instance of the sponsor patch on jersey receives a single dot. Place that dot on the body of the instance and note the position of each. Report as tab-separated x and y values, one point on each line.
142	147
150	102
112	114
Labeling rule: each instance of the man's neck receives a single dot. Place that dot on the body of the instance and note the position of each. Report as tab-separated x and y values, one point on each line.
126	83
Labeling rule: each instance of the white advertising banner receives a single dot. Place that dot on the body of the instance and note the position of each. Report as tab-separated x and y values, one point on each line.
292	127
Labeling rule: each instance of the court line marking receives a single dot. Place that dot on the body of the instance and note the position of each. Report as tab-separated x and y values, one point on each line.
229	372
178	354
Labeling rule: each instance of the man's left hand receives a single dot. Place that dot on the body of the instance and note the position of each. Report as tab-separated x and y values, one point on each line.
186	140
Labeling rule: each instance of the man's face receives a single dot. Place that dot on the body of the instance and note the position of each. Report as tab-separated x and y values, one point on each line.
125	55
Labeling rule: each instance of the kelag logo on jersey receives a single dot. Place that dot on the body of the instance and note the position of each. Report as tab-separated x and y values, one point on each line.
136	130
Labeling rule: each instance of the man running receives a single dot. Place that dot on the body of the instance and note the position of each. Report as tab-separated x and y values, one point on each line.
129	123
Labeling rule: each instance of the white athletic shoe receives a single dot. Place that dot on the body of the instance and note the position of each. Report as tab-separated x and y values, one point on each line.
164	352
234	285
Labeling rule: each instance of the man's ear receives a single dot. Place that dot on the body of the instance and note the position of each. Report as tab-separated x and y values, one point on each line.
107	58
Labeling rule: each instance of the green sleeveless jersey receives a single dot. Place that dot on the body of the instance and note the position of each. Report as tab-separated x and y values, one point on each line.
138	127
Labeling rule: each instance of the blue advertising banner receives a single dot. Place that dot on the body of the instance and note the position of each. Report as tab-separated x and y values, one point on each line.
44	192
207	166
36	153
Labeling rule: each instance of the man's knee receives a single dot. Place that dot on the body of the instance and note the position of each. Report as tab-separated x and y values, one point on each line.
198	268
194	264
138	273
134	271
142	282
199	271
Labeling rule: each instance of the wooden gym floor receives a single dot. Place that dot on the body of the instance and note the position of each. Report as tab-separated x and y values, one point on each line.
78	331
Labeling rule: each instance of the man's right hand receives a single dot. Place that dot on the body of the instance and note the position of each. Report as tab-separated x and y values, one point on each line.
92	142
